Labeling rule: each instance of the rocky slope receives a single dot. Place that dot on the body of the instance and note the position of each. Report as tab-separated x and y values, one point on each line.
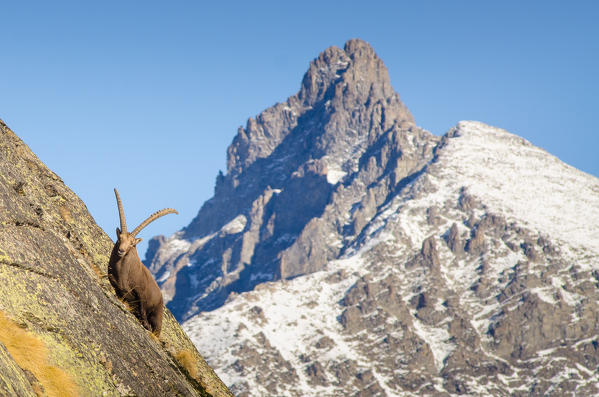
55	298
349	252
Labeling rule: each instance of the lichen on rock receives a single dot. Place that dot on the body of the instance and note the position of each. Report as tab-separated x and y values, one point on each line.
53	259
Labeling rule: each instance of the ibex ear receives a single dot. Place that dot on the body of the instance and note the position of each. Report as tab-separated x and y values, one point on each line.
118	231
137	241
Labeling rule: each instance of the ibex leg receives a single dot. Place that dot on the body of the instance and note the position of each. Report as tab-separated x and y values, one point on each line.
155	319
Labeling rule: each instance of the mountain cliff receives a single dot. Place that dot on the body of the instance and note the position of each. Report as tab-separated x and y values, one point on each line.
348	252
337	149
62	330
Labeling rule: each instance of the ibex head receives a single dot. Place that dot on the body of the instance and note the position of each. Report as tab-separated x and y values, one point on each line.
125	240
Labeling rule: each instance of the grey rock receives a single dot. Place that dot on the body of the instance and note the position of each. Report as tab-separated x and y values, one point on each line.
454	241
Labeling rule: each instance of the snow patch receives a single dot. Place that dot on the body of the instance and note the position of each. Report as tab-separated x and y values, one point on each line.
164	276
437	339
334	175
570	298
544	294
298	313
173	247
237	225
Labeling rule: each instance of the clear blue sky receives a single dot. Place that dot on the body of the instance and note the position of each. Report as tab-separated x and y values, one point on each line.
146	96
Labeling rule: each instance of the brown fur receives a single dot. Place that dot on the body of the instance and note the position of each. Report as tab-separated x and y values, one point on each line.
134	283
131	280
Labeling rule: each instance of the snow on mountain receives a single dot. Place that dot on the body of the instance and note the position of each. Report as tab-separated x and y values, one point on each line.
526	183
346	251
415	308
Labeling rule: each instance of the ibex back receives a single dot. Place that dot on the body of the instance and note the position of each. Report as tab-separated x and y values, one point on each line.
131	280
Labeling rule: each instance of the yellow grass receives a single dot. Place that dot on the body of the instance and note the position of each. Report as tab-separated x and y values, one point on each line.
185	358
31	354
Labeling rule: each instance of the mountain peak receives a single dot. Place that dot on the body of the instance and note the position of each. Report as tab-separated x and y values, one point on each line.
290	172
354	46
337	82
355	67
350	250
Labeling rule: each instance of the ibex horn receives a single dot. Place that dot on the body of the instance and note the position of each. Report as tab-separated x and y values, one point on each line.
152	218
121	212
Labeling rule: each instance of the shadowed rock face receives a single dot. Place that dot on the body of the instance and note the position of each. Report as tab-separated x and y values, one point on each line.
292	172
53	260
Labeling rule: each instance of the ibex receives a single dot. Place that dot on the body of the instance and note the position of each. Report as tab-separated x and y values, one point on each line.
131	280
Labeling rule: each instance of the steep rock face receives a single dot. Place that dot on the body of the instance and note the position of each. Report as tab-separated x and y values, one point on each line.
53	284
303	179
480	276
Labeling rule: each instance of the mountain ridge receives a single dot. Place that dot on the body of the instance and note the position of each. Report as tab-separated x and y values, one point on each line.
432	300
362	255
345	107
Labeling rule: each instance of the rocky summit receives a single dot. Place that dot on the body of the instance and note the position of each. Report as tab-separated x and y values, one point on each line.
348	252
304	178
